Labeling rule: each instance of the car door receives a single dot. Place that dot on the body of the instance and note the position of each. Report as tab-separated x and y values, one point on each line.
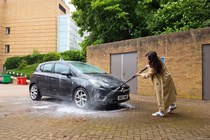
61	84
43	78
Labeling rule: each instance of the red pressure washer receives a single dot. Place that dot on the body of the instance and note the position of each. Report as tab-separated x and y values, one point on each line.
115	90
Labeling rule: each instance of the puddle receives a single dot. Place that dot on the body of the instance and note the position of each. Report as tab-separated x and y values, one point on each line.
59	109
40	107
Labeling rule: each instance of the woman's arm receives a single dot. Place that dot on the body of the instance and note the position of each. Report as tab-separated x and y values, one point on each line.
150	72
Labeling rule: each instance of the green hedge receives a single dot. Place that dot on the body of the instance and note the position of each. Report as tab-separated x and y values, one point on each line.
73	55
35	58
16	61
12	62
51	56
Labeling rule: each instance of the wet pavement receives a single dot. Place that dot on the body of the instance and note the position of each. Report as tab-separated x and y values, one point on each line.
51	119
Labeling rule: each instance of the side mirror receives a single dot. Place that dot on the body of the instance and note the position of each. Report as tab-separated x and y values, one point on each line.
68	74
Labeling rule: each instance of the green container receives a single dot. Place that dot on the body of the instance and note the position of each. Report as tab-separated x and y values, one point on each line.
6	78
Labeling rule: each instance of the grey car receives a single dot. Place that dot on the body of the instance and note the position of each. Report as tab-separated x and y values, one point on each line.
82	83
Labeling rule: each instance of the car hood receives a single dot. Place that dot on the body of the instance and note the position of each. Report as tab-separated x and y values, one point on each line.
109	79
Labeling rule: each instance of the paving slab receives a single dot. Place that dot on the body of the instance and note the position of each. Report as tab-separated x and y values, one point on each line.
51	119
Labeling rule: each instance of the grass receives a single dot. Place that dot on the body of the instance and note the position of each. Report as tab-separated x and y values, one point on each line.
26	70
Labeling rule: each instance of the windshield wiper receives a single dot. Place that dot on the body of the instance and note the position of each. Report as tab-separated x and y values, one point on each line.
94	73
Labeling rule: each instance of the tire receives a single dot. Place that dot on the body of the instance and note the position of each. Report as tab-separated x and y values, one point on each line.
81	98
34	93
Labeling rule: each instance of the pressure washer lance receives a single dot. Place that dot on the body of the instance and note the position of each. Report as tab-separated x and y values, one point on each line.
115	90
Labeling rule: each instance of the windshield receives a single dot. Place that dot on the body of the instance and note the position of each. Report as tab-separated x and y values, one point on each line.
86	68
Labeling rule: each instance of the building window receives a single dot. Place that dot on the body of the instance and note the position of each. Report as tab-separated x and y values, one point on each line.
7	48
7	31
62	8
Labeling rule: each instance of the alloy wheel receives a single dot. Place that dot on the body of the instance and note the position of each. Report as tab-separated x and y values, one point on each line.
81	98
34	93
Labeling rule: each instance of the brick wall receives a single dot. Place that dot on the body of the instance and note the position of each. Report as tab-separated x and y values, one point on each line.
182	52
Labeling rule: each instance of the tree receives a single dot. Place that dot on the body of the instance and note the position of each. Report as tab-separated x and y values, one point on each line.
180	16
108	20
114	20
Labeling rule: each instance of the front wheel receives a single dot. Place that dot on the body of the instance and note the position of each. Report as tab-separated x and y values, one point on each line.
81	98
34	93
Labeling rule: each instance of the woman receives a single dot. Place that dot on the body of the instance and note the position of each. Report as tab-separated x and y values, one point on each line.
163	84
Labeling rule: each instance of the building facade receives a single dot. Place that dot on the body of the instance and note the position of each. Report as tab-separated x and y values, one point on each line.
28	25
68	37
186	55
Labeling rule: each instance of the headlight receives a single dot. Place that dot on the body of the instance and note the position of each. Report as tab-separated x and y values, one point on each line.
99	84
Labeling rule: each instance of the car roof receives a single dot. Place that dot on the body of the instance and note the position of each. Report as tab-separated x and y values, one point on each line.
62	61
58	61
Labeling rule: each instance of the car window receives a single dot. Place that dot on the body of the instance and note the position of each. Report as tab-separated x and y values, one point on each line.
86	68
59	68
46	67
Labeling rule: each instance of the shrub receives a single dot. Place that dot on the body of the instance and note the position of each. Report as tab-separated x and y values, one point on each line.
12	62
73	55
24	58
22	65
51	56
35	58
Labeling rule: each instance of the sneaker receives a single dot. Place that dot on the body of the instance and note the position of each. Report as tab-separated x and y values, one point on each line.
158	114
171	108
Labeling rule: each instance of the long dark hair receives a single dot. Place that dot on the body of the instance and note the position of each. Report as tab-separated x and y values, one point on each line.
154	61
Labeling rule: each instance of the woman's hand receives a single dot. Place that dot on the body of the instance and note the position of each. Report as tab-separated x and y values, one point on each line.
143	75
138	74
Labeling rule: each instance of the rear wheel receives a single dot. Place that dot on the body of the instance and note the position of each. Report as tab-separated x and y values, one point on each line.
81	98
34	93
